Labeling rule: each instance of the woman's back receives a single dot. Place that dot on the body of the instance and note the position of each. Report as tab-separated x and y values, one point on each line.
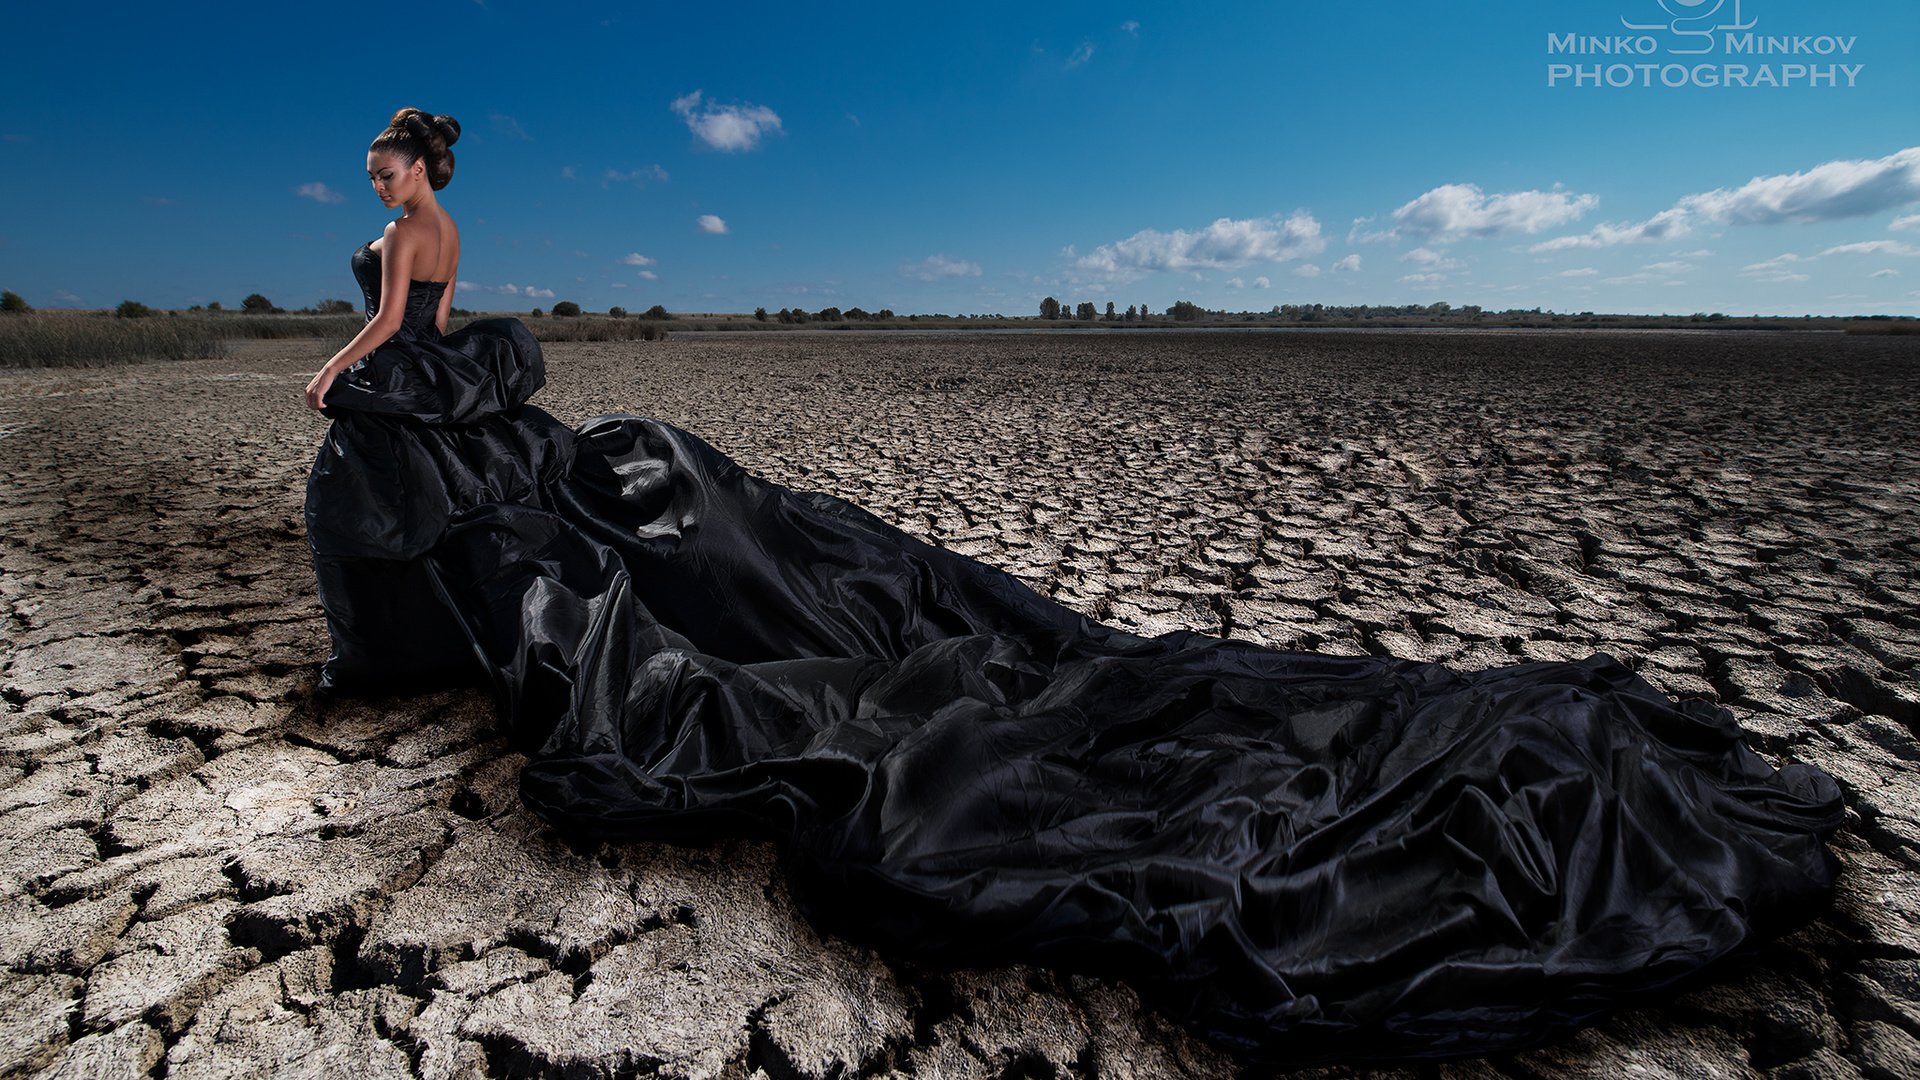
422	302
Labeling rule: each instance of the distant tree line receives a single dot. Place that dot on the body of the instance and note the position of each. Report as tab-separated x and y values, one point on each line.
567	309
825	314
1051	309
1085	311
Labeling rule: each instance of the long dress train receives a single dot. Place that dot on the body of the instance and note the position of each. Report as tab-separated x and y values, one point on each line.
1301	856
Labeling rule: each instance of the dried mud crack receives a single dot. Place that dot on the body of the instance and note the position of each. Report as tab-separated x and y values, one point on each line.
207	873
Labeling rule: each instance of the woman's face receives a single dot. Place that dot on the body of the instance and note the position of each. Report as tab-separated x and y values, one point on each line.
394	179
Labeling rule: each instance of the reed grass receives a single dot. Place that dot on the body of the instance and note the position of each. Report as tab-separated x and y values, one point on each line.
48	340
594	328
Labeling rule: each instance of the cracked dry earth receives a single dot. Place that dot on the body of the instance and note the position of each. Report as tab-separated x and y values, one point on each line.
205	873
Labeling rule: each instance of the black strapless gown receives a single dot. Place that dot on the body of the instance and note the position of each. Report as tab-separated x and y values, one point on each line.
1303	857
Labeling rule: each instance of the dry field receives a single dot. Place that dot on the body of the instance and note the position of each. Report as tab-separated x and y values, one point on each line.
205	873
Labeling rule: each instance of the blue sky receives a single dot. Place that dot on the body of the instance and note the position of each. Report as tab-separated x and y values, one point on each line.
977	157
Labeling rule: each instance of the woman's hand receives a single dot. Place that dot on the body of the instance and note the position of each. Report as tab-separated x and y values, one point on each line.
317	388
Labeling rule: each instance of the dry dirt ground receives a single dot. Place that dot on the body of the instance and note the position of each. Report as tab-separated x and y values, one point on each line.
206	873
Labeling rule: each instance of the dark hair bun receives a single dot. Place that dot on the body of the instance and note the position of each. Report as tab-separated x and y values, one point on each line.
417	135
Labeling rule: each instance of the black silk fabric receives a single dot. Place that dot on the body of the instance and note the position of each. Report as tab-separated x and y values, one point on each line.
1303	857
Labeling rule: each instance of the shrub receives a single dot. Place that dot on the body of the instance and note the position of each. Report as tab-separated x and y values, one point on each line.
537	313
566	309
132	309
759	313
257	305
214	305
335	307
617	312
658	312
12	304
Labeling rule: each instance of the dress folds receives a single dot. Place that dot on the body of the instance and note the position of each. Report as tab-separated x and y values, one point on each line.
1303	857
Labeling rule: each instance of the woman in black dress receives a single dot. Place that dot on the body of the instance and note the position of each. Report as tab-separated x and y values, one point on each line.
407	163
1301	856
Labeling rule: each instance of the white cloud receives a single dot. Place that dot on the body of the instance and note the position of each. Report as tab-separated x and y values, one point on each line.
616	284
508	126
1429	259
1584	271
319	193
1236	283
1777	270
1423	279
726	127
640	176
1360	233
935	267
1227	244
1885	273
1454	211
567	172
649	275
712	223
1348	265
1081	55
508	289
1665	225
1662	273
1873	247
1911	221
636	259
1262	282
1131	26
1837	189
1306	270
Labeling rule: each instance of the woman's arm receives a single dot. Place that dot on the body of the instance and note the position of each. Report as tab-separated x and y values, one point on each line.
395	255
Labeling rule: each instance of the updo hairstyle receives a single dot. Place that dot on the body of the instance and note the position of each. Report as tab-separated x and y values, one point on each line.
413	135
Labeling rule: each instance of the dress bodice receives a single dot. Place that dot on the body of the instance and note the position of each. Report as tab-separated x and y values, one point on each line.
486	367
423	297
